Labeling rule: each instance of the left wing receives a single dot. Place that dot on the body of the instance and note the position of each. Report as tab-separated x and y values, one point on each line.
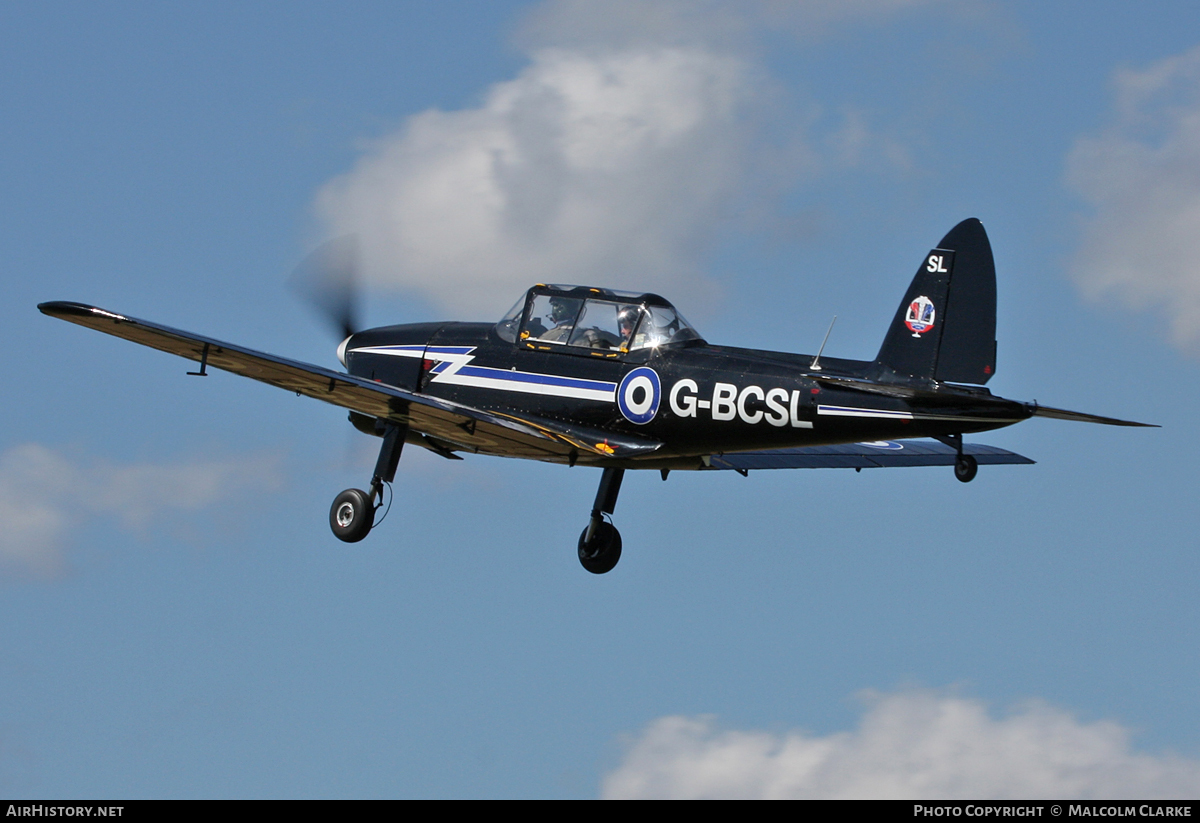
462	427
875	455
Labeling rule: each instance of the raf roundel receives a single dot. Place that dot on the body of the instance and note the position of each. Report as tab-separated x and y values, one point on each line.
890	445
638	395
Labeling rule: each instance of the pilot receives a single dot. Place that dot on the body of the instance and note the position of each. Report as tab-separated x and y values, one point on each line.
602	336
627	320
562	315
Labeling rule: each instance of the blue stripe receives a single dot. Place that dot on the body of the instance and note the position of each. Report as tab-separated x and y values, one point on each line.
541	379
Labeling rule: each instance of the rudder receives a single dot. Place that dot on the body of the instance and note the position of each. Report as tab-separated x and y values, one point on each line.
945	328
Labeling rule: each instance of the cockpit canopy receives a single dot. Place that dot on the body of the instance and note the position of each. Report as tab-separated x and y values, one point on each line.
579	317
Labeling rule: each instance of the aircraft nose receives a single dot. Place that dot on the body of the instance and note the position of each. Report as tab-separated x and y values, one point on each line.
341	352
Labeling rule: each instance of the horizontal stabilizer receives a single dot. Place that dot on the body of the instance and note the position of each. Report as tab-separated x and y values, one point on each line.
904	391
1063	414
880	454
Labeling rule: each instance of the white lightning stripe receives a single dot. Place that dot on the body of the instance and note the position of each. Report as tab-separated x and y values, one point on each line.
890	414
394	351
846	411
452	359
503	384
962	418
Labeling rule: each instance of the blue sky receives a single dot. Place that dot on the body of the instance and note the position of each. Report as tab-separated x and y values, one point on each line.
178	620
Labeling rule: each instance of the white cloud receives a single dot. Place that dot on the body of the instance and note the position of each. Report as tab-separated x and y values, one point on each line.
1141	176
44	495
605	169
612	159
912	744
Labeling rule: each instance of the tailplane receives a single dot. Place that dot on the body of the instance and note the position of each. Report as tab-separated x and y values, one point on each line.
945	328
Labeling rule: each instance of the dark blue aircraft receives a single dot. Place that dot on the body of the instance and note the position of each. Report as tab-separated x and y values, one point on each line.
620	380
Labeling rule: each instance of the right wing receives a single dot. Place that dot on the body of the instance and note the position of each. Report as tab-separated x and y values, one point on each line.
876	455
462	427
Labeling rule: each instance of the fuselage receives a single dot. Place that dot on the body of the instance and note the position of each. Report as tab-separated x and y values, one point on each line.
697	399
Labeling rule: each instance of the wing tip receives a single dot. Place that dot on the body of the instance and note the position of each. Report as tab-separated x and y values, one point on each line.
56	307
68	308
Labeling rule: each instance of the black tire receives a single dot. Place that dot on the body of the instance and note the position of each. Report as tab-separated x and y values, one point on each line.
965	468
351	515
602	553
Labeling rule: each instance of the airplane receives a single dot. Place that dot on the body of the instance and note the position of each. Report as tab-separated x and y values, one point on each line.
620	380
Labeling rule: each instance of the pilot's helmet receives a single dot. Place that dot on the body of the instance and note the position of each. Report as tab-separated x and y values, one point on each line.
626	319
562	309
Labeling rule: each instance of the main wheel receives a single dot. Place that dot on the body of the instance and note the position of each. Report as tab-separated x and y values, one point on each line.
604	550
351	515
965	468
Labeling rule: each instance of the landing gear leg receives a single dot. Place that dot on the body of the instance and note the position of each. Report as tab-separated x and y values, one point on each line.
965	465
353	512
600	543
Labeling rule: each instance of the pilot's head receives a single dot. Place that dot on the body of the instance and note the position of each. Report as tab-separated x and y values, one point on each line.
626	319
561	309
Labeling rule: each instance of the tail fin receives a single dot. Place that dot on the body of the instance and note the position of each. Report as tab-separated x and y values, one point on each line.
945	329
